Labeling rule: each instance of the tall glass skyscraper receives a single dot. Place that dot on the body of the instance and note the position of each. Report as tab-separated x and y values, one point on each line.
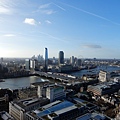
46	59
61	57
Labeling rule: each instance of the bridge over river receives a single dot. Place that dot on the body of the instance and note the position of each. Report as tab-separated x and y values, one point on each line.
58	76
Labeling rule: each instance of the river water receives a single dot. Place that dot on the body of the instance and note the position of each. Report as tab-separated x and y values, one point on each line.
96	70
17	83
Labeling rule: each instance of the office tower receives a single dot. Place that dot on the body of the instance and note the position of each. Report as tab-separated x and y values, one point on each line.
61	57
39	58
46	59
33	57
72	61
27	64
33	64
79	62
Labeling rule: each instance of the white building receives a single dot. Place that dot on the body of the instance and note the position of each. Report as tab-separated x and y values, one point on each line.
52	92
117	79
18	109
33	64
41	91
55	92
104	76
72	60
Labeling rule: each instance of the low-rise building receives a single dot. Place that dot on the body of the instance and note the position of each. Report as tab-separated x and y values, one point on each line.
89	106
104	76
58	110
104	88
89	77
93	116
5	116
64	68
17	109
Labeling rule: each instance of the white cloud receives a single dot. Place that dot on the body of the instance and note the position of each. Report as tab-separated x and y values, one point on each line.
48	12
9	35
30	21
44	6
45	9
48	22
4	7
4	10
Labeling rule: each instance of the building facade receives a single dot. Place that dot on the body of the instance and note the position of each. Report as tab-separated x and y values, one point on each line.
58	110
104	88
55	92
5	116
18	109
46	59
52	92
61	57
27	64
104	76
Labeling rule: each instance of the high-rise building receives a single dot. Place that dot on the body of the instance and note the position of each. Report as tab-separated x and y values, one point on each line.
33	64
40	58
72	60
27	64
46	59
61	57
79	62
75	61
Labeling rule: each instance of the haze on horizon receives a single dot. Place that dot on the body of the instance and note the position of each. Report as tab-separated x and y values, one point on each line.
87	28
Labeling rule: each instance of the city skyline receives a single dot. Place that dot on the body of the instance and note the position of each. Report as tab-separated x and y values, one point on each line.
86	28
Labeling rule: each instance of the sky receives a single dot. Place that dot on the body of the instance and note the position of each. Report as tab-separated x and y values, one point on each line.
80	28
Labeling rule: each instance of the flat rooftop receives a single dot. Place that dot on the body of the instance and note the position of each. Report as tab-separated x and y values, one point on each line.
5	116
51	104
85	103
58	108
26	102
105	85
93	116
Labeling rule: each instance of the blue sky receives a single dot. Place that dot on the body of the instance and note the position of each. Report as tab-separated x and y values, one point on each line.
86	28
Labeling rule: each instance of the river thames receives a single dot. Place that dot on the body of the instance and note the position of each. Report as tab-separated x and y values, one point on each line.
18	83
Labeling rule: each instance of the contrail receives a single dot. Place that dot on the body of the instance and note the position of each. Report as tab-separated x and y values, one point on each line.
59	7
90	13
51	36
